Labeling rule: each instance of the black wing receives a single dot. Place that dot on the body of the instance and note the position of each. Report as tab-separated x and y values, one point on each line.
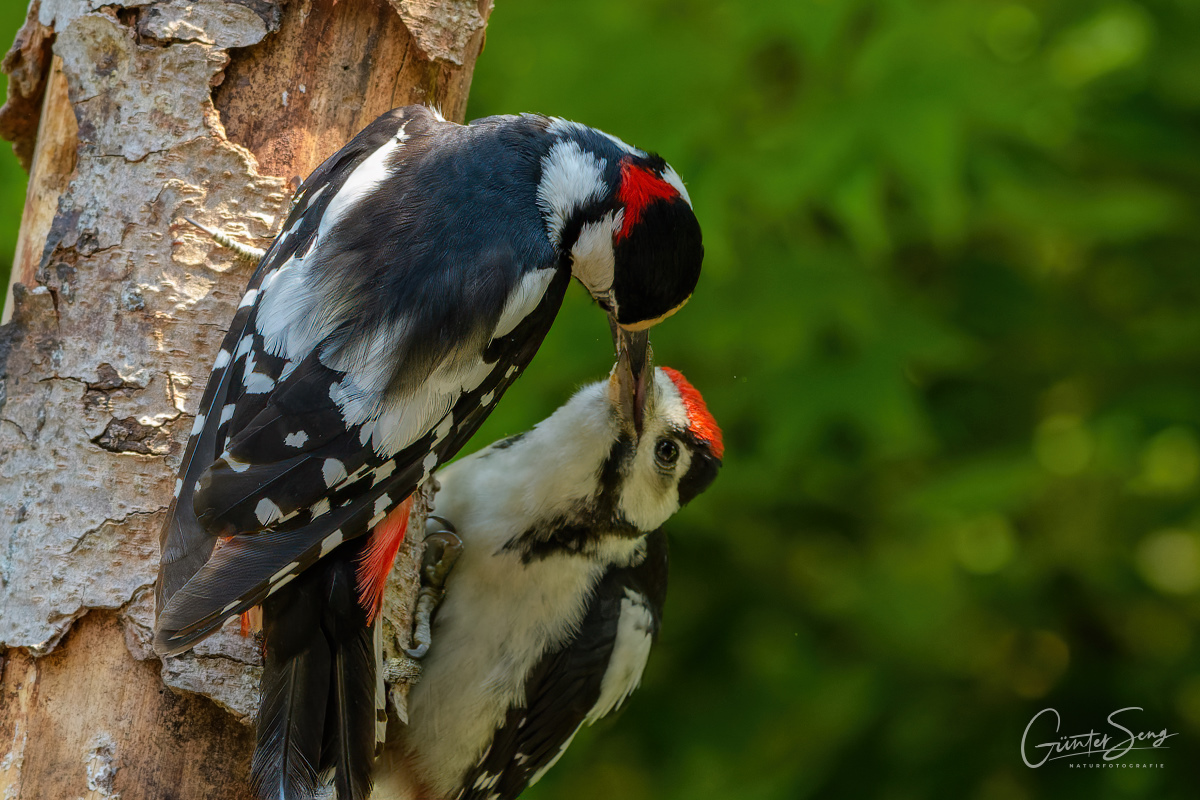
370	346
584	681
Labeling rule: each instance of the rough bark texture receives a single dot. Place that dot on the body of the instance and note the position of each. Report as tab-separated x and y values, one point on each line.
145	114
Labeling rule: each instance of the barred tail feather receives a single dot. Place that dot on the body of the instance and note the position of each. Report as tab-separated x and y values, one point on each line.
350	721
319	704
295	683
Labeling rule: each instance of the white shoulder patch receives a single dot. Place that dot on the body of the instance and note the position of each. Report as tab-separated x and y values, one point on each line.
295	312
630	651
592	258
362	182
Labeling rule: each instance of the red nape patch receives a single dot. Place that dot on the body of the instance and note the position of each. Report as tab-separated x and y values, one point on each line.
376	563
702	424
639	188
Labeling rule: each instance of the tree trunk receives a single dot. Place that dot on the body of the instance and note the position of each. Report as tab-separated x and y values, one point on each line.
132	118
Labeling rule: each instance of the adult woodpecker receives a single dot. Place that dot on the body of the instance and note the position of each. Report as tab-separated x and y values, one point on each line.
416	275
553	604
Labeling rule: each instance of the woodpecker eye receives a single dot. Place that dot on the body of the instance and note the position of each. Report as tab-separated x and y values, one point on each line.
666	452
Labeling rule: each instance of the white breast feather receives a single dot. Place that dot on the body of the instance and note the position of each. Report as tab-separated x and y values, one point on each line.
483	649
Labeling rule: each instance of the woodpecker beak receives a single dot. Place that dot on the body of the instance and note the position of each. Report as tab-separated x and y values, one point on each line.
629	376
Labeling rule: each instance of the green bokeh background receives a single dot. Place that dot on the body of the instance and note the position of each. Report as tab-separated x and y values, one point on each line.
950	323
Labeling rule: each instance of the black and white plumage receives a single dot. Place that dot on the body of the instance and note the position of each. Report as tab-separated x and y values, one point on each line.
557	596
414	279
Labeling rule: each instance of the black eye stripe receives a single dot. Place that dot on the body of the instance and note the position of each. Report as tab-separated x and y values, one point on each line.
702	470
700	475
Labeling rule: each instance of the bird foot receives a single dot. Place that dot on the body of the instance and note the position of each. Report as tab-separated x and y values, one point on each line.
442	549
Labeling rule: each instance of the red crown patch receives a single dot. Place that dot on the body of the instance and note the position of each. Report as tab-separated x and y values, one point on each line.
701	422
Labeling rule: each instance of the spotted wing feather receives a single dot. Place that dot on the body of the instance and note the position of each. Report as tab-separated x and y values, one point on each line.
348	381
186	544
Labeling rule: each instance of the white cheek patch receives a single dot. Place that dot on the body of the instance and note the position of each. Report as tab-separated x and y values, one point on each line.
571	178
592	260
649	497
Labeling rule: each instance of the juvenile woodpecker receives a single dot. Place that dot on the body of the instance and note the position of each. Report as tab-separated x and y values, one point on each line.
415	277
553	604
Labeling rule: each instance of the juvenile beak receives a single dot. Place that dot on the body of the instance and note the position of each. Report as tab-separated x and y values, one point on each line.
633	358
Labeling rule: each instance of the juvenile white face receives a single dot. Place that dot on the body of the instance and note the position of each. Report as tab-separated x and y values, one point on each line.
676	457
583	473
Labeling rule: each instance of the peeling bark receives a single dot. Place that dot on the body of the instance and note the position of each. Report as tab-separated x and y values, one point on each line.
26	65
146	114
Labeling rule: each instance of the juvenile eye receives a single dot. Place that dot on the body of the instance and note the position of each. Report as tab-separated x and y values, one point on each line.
666	452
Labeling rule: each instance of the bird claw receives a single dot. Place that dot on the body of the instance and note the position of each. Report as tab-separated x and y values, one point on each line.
442	549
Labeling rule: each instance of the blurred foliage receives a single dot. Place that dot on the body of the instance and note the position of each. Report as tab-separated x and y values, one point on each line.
12	177
949	322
